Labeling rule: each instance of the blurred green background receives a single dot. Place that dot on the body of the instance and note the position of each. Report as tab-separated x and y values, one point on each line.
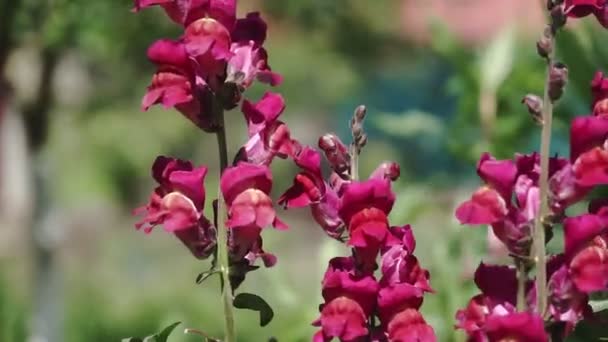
442	81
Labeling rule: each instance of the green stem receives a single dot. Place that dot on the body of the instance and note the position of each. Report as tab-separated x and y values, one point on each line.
354	162
522	277
222	240
539	228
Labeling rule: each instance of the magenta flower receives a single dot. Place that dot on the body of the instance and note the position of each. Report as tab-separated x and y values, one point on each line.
213	50
509	201
185	12
599	89
364	209
393	299
268	136
350	299
409	325
250	59
207	42
387	170
177	204
310	189
173	83
400	266
491	202
246	191
583	8
308	186
498	286
586	251
588	136
325	213
516	326
566	303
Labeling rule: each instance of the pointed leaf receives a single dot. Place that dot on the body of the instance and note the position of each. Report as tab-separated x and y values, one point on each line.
254	302
204	275
164	335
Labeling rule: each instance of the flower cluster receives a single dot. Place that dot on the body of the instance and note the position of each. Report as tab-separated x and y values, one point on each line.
201	74
357	212
204	73
208	67
509	202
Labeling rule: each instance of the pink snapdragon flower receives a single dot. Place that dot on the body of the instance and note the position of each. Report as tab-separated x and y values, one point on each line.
246	190
509	201
195	73
364	209
350	298
269	137
586	250
177	204
583	8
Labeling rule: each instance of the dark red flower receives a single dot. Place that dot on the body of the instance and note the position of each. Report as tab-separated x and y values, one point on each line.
393	299
387	170
308	186
350	299
586	251
325	213
268	136
186	11
310	189
516	326
409	326
173	83
400	266
246	188
509	201
250	59
364	209
177	204
566	303
498	286
583	8
207	41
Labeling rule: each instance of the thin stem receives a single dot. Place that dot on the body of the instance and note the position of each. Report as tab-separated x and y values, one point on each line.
522	279
222	239
354	162
539	228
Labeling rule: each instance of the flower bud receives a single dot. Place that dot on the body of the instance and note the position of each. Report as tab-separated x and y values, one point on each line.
544	46
535	107
335	152
558	17
356	124
558	77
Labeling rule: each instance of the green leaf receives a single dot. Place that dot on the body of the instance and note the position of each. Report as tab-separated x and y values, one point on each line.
162	336
204	275
256	303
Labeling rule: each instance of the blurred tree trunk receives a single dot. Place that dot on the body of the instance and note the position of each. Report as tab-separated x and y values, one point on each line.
47	306
47	315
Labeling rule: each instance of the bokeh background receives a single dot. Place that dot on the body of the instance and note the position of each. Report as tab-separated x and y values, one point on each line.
442	80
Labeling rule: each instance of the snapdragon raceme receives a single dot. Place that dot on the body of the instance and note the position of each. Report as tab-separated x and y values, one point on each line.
524	198
205	72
